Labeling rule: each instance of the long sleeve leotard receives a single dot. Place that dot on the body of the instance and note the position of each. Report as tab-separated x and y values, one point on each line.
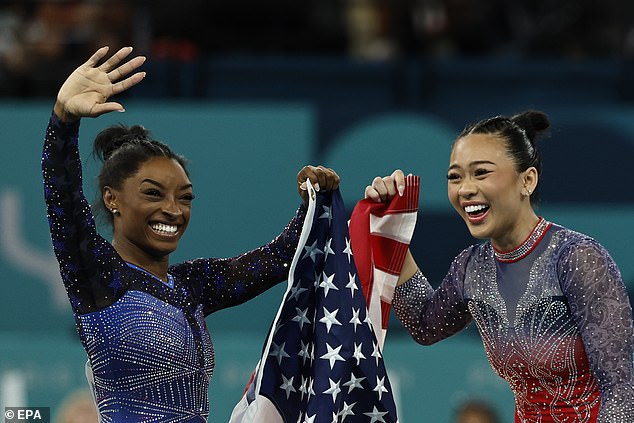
556	323
149	349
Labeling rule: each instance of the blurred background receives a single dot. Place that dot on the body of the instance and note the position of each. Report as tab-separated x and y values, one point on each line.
251	91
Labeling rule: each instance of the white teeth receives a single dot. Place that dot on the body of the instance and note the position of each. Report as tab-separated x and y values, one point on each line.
160	227
475	208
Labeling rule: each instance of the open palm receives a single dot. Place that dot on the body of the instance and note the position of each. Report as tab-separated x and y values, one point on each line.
86	91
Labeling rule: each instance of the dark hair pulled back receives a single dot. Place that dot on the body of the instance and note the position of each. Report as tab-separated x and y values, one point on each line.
520	133
122	150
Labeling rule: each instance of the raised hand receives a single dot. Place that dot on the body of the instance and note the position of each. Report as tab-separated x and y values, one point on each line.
385	188
86	91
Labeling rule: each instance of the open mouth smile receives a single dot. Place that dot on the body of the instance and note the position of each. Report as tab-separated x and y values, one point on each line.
476	212
164	230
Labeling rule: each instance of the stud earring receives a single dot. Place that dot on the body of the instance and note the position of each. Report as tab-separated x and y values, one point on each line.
114	211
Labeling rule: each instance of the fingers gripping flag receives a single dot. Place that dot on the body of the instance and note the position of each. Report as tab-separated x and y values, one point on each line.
321	362
380	234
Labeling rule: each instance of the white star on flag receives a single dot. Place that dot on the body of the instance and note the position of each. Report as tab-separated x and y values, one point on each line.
296	291
302	387
278	352
380	388
357	353
328	249
330	318
332	355
301	317
287	385
376	353
327	214
346	410
312	251
376	415
355	319
352	283
327	284
348	250
310	391
304	354
333	390
354	382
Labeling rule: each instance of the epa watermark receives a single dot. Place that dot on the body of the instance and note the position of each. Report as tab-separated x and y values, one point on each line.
27	414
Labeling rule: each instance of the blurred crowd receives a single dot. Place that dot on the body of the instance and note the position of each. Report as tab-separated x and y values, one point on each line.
42	40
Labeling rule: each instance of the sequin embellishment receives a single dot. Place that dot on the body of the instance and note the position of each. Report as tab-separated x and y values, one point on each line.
527	246
567	351
150	352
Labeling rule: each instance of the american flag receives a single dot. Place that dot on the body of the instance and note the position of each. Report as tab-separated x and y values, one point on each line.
380	234
322	362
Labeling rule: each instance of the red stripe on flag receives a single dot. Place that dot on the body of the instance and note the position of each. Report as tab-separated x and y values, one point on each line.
374	251
388	254
359	229
385	314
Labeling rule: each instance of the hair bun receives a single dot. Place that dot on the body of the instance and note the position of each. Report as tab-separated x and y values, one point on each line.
112	138
533	122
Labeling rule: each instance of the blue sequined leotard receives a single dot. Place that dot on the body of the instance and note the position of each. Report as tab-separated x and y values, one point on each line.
554	317
148	346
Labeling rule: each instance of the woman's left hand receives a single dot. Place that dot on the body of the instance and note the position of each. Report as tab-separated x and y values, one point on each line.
321	177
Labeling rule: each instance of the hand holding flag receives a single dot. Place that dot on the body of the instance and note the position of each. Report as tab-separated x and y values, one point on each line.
322	361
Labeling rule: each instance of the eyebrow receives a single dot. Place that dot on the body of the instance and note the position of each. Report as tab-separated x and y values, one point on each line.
158	184
474	163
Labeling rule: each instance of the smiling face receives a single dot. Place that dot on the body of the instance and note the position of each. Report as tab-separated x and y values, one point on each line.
154	206
489	193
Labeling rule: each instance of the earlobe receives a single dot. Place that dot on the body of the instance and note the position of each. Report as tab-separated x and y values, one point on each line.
109	200
530	181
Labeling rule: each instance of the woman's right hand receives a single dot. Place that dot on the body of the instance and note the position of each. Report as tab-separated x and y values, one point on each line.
384	189
86	91
321	177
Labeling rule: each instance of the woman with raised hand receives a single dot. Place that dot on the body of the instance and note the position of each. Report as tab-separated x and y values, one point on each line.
141	319
549	302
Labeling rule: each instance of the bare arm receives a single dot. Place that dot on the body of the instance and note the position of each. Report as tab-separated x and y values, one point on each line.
409	269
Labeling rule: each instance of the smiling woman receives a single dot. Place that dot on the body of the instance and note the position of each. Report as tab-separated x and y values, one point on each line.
146	193
141	319
549	302
491	162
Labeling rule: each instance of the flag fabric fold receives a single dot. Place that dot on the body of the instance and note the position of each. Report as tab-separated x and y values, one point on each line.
380	234
321	361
